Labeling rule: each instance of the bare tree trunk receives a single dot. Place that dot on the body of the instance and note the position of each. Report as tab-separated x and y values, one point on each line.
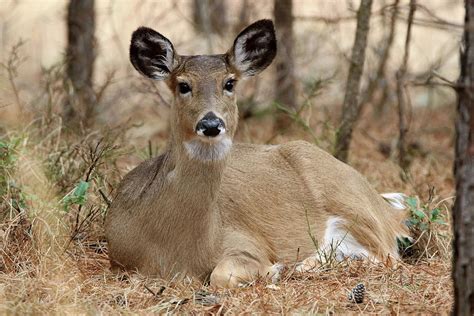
210	16
79	108
244	16
351	105
285	74
380	79
403	159
463	211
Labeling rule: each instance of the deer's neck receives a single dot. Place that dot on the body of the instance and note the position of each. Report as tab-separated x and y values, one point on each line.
188	212
198	180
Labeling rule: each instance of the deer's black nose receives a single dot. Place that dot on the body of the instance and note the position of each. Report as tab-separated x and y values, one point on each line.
210	125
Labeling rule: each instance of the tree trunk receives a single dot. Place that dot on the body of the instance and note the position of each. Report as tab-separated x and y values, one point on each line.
79	108
463	211
210	16
380	78
403	159
285	74
244	16
351	105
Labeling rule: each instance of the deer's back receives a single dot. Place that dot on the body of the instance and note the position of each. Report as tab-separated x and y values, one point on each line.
286	193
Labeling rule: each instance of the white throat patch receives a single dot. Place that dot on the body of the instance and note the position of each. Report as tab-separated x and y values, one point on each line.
212	151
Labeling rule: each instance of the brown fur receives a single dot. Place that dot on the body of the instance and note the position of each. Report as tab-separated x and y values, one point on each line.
232	219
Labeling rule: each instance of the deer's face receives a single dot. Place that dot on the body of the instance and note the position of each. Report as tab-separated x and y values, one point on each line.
205	112
204	94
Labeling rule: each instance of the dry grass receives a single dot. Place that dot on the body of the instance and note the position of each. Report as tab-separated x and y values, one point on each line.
49	266
85	285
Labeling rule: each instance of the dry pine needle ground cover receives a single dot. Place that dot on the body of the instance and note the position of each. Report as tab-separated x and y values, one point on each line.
55	189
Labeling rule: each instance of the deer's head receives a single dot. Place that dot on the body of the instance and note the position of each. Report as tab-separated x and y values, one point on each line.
204	115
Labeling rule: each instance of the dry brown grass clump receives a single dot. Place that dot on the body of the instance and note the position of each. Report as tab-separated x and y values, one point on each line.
84	284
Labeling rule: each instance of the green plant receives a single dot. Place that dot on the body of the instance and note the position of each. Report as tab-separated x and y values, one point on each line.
78	196
422	217
11	195
8	157
424	222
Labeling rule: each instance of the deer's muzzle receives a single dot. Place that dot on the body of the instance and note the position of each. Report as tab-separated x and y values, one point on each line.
210	125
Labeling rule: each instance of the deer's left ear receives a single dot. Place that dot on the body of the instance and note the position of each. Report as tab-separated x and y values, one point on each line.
254	48
152	54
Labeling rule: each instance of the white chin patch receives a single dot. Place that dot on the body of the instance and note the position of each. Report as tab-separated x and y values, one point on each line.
208	151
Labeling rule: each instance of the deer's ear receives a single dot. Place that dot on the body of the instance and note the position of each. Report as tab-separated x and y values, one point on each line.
152	54
254	48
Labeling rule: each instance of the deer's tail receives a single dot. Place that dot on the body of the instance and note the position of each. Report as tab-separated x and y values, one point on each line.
398	204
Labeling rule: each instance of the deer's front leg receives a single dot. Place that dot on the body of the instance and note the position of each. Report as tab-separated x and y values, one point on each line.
236	270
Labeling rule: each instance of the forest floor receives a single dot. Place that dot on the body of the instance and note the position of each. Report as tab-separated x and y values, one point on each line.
54	257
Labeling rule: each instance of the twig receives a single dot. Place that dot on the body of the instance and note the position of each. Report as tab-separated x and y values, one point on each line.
439	76
337	20
150	149
106	199
157	293
434	22
13	62
109	79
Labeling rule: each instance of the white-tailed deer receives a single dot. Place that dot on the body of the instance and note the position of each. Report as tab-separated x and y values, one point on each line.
231	212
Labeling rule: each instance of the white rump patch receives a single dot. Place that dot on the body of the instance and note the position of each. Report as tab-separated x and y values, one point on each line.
340	241
396	200
208	151
338	244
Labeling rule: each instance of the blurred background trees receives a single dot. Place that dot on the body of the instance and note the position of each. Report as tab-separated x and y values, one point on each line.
313	48
321	62
313	57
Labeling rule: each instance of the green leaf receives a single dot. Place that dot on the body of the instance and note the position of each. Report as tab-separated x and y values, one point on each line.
411	201
77	197
435	213
419	214
81	189
439	221
403	242
424	226
413	222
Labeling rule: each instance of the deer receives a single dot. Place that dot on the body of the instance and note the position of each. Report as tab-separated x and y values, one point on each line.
228	213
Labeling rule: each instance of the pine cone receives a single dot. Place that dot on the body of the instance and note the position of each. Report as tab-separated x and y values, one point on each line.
357	294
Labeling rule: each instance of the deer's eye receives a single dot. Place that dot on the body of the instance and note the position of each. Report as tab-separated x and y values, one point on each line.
229	85
184	88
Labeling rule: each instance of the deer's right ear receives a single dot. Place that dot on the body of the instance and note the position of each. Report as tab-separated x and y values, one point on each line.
152	54
254	48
